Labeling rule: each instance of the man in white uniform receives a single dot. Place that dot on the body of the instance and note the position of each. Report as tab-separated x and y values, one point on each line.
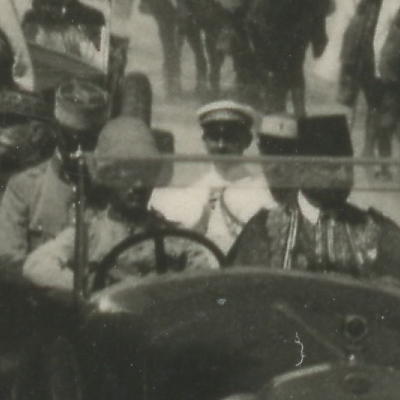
220	202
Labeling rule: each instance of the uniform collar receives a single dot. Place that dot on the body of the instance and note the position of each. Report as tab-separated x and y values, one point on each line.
308	210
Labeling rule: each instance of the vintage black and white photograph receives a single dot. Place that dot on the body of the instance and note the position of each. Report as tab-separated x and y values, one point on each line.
199	199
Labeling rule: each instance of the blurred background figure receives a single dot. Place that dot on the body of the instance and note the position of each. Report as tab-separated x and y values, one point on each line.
67	26
166	13
370	64
280	34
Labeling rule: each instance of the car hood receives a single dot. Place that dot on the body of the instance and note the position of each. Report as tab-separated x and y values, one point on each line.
237	329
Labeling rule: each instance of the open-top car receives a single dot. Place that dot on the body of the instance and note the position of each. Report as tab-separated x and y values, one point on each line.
202	334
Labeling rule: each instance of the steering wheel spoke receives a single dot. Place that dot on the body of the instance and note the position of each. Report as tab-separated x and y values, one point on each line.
163	261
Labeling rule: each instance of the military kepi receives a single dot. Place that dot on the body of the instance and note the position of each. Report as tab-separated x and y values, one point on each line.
225	111
81	105
325	136
278	135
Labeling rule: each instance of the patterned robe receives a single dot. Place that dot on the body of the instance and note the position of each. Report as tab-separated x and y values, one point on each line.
353	241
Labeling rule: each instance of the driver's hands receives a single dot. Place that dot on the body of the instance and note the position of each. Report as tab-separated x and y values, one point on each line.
48	265
180	255
186	255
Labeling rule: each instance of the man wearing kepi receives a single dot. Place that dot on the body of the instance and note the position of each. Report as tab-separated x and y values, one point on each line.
37	203
278	136
321	231
227	130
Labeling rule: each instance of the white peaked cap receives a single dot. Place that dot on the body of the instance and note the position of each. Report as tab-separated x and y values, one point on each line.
225	110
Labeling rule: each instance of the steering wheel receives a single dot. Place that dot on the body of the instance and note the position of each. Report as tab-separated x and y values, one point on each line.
158	237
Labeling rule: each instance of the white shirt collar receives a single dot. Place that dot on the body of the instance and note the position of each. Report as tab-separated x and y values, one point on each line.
309	211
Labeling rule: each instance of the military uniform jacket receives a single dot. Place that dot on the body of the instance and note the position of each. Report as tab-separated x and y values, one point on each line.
51	264
217	205
356	242
36	206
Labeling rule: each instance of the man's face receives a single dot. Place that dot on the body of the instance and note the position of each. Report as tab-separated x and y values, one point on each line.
282	178
226	138
131	186
133	198
327	185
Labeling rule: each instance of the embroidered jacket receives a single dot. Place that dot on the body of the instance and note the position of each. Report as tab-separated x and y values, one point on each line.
351	241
